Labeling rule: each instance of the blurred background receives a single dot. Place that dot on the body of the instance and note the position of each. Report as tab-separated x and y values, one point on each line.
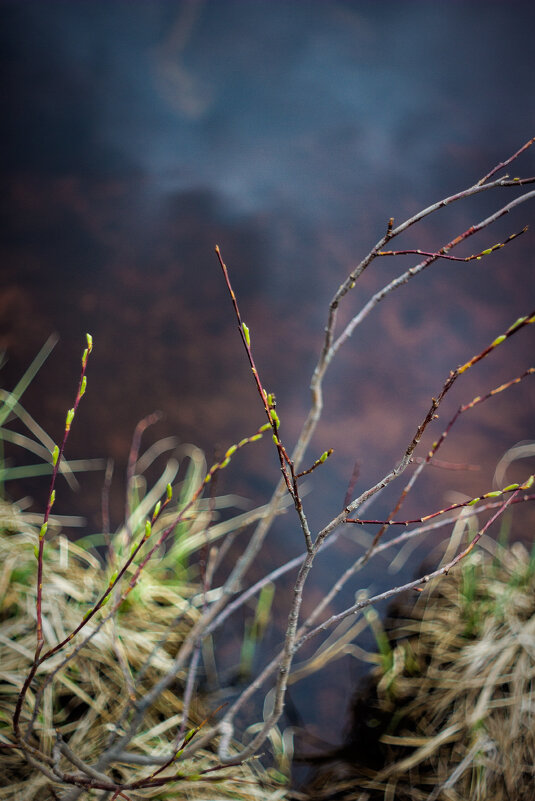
137	135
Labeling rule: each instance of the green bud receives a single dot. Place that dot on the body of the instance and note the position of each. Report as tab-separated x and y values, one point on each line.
224	463
207	478
52	498
84	357
113	577
517	323
265	427
275	439
83	386
43	531
495	494
529	483
156	510
36	551
255	437
324	456
243	442
169	491
148	529
275	417
486	252
105	600
473	502
89	342
69	419
231	450
510	488
498	340
191	733
55	455
246	334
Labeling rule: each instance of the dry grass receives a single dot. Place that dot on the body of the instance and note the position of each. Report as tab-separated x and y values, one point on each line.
450	715
86	699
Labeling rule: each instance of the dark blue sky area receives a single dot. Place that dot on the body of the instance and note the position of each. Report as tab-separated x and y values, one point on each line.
267	102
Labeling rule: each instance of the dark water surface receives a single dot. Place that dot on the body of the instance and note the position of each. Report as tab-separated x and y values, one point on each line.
136	136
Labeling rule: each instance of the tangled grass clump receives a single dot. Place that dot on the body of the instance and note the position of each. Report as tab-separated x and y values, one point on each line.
452	708
89	695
